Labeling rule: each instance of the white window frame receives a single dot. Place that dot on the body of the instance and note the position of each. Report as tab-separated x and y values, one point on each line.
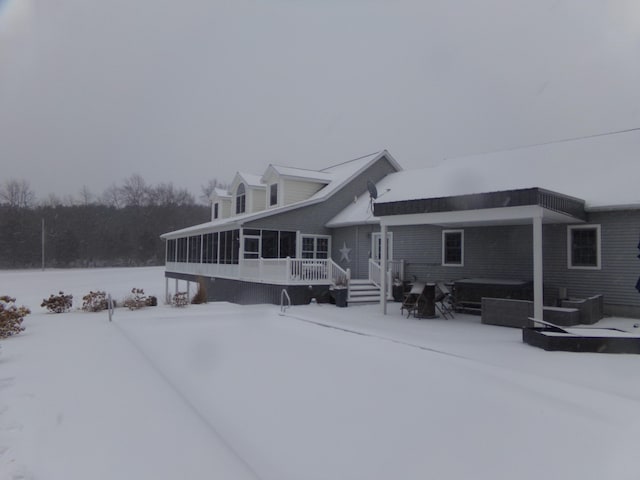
444	234
241	196
277	187
315	245
570	229
376	246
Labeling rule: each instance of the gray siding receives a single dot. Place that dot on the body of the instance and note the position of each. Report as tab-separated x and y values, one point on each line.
507	252
358	239
312	219
616	280
498	252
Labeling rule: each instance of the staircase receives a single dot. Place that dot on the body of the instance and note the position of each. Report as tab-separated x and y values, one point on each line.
362	292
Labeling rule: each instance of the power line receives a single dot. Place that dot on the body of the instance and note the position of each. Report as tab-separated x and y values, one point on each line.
551	142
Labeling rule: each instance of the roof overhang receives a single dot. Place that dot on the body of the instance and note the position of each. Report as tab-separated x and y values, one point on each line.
511	207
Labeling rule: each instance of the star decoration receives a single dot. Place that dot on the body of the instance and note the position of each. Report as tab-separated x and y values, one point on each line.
344	251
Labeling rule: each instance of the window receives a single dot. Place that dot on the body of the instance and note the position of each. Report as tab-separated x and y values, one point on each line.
273	194
210	248
583	246
315	247
182	249
453	248
171	250
251	247
215	210
241	199
287	244
195	248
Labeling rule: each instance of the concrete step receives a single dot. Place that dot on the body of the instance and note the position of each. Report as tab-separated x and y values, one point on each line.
364	299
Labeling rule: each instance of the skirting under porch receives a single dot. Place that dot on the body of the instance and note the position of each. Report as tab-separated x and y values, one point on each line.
245	292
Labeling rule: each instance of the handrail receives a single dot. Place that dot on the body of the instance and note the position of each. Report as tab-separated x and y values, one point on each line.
284	295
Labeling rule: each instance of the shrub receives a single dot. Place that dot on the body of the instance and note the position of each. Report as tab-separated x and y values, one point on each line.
180	299
201	294
95	302
58	303
151	301
11	317
136	300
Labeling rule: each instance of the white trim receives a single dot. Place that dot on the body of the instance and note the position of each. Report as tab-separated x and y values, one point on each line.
444	233
596	227
376	239
315	244
497	216
271	185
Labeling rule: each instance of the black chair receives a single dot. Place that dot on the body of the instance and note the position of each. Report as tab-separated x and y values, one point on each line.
411	298
445	302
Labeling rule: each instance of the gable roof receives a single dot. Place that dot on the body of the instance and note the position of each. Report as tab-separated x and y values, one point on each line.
339	175
603	171
298	173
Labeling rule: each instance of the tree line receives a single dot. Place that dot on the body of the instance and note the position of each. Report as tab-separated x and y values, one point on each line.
120	228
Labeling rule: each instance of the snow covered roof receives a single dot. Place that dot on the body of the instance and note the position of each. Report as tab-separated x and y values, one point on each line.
220	193
300	173
339	176
603	171
254	181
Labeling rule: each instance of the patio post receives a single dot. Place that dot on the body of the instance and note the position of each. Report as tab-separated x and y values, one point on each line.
383	267
538	310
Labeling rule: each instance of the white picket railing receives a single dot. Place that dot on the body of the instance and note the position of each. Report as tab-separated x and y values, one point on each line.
282	271
395	270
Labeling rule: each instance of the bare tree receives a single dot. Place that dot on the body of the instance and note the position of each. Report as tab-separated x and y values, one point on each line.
86	197
135	192
166	194
111	197
17	194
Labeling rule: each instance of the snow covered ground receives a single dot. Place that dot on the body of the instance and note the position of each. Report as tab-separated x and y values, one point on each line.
231	392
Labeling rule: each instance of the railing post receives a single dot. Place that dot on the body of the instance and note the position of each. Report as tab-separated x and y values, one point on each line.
348	282
288	267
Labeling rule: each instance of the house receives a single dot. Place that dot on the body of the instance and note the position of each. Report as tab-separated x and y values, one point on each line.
563	216
555	221
270	233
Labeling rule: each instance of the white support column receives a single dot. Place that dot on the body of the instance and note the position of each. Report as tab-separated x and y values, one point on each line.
166	291
537	268
383	267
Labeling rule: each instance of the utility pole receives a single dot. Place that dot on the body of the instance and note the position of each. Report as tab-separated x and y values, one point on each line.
43	244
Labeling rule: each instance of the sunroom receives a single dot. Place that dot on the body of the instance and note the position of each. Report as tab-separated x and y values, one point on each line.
269	259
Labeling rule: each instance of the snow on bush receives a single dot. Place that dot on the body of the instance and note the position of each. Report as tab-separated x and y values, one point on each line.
180	299
136	300
94	302
11	317
58	303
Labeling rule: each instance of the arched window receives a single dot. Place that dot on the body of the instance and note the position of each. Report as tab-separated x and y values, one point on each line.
241	199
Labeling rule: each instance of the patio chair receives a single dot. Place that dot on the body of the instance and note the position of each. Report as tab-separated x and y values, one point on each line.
445	302
410	299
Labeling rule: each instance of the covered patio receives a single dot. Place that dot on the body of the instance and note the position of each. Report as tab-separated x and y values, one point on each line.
530	206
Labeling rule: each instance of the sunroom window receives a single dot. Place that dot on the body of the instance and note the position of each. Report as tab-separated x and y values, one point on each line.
583	246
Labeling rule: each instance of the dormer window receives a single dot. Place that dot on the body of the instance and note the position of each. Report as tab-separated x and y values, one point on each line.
216	213
241	199
273	194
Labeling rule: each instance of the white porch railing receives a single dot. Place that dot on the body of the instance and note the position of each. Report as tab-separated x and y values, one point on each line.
280	271
395	270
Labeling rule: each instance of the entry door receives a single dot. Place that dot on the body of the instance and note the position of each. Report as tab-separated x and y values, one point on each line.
376	246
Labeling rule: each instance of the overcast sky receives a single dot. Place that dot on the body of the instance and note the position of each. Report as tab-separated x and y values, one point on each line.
185	91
